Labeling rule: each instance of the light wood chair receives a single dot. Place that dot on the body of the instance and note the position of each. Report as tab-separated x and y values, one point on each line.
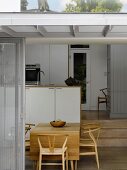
53	145
88	141
28	127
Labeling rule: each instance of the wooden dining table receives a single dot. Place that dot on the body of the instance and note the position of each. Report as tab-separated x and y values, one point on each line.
70	129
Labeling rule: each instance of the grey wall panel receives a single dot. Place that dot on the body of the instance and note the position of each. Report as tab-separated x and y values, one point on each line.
118	77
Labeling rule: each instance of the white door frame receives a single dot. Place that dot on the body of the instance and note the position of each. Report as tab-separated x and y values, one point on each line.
85	106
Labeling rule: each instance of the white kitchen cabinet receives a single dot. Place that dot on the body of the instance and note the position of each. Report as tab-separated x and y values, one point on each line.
58	64
39	105
44	104
68	104
38	53
53	60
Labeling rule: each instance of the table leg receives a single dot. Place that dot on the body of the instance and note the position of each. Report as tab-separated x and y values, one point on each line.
72	165
76	165
37	166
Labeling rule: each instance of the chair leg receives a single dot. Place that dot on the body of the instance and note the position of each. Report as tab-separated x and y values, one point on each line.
34	165
98	108
97	160
40	156
106	105
98	105
66	160
63	163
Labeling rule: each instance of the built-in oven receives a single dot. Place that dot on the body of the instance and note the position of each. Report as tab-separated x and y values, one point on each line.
32	74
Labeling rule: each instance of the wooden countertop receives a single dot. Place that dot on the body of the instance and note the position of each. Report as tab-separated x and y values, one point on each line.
44	127
49	86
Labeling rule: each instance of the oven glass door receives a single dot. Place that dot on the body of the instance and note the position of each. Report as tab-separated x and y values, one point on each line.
32	75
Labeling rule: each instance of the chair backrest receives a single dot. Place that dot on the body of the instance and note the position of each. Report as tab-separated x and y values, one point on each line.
28	127
52	141
104	91
91	131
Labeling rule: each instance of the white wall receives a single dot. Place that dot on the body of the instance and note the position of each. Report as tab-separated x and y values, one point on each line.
98	73
10	5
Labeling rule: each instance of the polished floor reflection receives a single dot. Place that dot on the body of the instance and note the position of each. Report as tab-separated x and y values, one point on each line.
94	115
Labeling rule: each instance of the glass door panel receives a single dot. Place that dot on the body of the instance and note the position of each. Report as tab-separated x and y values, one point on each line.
11	105
79	68
80	73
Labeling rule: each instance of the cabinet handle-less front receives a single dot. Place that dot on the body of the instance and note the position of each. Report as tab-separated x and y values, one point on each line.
55	89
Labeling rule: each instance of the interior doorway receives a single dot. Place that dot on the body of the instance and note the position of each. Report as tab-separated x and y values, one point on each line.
79	68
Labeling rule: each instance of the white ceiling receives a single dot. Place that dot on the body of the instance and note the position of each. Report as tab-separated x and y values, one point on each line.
63	25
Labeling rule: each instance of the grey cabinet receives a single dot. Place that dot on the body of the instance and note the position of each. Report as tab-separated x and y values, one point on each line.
118	81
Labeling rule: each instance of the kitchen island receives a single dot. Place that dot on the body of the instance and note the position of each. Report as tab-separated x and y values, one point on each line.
48	103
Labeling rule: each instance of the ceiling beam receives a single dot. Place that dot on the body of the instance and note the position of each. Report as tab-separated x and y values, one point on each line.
93	40
74	30
8	31
58	34
106	30
41	30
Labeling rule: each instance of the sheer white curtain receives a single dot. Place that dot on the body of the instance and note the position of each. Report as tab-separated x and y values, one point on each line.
11	104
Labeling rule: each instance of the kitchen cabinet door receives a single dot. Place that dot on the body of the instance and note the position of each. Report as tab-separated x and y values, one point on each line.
58	64
40	105
39	53
44	104
68	104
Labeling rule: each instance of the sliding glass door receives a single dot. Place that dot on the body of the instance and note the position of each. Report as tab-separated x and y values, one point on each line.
11	104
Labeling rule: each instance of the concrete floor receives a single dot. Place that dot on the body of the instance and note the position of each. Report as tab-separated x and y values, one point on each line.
94	115
110	159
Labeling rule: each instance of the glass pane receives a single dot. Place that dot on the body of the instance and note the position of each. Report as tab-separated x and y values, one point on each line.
92	6
7	107
80	73
10	107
